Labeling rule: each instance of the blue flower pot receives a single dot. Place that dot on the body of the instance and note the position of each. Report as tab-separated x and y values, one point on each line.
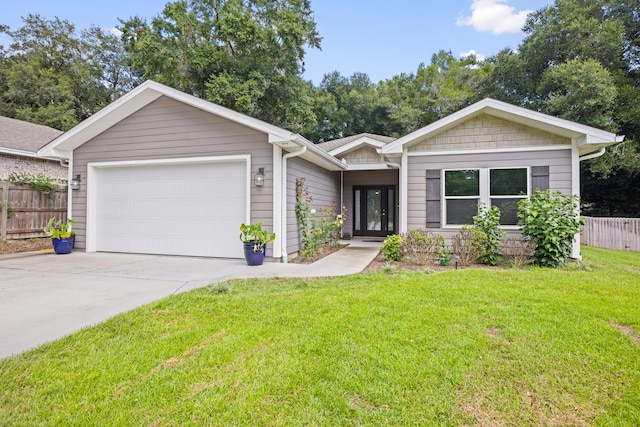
64	246
254	257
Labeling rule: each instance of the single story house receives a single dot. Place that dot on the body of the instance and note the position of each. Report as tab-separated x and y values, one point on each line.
19	144
164	172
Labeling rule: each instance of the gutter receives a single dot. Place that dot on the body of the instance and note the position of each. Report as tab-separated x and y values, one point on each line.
283	202
593	155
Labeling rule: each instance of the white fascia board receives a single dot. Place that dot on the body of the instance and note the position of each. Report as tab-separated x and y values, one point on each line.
490	150
367	166
365	140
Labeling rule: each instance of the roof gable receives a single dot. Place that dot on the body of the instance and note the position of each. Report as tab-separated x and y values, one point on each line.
588	139
148	92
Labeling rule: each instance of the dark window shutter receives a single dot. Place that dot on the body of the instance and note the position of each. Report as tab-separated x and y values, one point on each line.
539	177
434	201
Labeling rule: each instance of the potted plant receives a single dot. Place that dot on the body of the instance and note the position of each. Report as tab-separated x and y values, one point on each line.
255	239
62	236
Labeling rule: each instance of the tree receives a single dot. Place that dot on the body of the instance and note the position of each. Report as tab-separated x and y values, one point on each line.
346	106
244	54
51	76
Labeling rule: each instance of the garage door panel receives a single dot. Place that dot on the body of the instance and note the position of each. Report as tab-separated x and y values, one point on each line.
177	209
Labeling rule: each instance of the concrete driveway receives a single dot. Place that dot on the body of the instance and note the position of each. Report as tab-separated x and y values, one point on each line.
44	297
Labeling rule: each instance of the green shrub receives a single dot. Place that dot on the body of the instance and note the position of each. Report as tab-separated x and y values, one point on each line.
392	248
551	220
488	221
422	245
468	244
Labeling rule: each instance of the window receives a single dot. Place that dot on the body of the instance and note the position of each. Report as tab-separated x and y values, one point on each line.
506	187
462	195
464	189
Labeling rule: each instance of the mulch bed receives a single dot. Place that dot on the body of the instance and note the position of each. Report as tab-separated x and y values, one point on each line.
326	251
24	245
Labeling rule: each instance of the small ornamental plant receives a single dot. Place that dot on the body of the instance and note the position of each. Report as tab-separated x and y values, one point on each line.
59	229
392	248
254	233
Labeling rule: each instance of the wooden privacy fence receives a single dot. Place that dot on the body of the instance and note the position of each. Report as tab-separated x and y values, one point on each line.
25	212
612	233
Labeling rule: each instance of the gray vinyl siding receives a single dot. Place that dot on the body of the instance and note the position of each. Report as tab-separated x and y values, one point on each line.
559	162
168	129
355	178
324	188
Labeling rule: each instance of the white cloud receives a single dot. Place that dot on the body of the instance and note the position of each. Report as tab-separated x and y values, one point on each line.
479	56
494	16
115	31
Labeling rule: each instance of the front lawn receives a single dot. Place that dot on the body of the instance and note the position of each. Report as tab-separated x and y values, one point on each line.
459	347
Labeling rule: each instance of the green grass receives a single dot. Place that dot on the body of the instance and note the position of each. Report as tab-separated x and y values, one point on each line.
466	347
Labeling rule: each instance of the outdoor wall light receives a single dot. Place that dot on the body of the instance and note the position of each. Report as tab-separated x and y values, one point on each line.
75	182
258	180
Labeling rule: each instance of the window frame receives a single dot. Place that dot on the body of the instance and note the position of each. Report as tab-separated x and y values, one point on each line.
484	196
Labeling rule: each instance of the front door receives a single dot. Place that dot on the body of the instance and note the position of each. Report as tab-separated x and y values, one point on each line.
374	210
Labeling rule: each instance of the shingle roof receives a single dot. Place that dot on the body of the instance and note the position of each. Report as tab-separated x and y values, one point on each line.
332	145
25	136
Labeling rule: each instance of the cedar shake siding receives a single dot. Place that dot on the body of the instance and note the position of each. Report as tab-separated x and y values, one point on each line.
487	132
364	155
169	129
419	201
324	188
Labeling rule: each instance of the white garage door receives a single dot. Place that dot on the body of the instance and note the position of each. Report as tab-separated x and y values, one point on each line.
190	209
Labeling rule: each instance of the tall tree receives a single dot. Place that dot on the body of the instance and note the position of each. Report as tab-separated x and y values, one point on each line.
244	54
345	106
51	76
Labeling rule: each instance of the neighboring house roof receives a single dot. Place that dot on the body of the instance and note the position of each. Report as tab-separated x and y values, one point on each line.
149	91
23	138
588	139
337	143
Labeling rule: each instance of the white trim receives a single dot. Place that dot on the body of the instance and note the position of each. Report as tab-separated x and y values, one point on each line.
490	150
575	190
365	140
24	153
367	166
403	193
69	190
92	185
277	204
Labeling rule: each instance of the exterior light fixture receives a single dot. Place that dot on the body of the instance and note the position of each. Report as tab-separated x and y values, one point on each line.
258	180
75	182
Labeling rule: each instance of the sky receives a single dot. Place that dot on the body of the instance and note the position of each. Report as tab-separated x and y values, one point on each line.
381	38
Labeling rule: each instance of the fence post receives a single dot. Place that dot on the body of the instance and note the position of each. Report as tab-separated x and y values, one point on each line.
4	217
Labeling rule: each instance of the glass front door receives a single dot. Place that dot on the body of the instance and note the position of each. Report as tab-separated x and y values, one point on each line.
374	213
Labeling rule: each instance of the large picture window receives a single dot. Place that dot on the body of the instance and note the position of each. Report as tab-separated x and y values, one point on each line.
464	189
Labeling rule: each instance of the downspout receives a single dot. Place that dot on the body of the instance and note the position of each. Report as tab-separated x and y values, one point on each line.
283	201
593	155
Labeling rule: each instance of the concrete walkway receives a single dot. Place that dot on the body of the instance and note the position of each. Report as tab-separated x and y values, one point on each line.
44	297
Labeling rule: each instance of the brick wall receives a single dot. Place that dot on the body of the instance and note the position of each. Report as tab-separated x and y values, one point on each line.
10	163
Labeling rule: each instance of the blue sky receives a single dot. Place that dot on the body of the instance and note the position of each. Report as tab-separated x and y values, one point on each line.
381	38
